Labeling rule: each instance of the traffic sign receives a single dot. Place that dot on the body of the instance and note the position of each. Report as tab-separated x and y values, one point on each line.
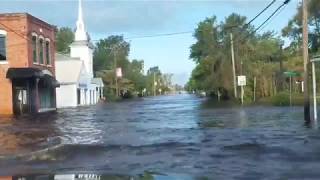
242	81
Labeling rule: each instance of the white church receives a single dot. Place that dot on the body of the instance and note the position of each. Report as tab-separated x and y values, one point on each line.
78	87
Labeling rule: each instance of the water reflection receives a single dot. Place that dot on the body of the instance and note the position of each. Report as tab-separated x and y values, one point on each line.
28	133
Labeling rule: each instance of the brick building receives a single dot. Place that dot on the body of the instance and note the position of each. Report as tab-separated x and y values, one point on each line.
27	64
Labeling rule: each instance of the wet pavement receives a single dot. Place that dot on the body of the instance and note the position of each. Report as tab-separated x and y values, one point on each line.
165	137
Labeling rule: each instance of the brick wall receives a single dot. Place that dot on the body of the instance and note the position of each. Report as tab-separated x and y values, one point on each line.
48	32
5	92
19	28
17	56
6	178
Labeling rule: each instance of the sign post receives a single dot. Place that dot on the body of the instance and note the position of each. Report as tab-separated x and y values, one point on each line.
119	72
291	74
118	75
242	82
314	87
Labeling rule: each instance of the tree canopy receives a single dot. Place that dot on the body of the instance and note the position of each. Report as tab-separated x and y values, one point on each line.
113	52
64	38
254	54
294	28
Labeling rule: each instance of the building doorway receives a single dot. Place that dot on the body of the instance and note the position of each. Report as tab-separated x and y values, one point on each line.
21	97
21	102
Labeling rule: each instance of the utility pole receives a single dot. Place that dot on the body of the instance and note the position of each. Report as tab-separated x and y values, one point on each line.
281	69
290	90
314	85
115	72
306	62
154	84
242	94
254	88
233	68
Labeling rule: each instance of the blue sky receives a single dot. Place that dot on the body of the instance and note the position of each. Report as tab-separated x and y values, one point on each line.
139	18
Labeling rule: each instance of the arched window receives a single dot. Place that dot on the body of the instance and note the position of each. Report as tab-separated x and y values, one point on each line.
41	53
3	45
47	50
34	48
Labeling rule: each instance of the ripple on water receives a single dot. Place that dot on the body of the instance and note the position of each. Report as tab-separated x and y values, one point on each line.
169	134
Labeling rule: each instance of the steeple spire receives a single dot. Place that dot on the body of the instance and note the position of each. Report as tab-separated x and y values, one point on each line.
81	34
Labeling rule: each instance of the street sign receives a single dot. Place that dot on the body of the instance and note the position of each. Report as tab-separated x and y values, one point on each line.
242	81
291	73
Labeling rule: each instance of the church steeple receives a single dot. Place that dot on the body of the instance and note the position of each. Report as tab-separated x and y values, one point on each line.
81	34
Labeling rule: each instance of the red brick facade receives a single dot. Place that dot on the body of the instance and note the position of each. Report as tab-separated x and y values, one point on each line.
19	29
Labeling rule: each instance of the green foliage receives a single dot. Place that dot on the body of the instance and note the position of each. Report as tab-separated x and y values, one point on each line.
109	51
156	81
294	28
113	52
64	38
283	99
256	56
136	74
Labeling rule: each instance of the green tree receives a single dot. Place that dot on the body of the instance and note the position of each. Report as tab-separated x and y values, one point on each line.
256	56
294	28
109	51
64	38
135	73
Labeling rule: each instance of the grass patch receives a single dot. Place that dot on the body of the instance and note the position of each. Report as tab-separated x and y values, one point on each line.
283	99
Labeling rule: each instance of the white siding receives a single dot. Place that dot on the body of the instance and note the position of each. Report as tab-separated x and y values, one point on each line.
67	96
85	54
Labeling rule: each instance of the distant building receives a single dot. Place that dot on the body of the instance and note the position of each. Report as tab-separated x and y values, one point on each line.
75	71
27	64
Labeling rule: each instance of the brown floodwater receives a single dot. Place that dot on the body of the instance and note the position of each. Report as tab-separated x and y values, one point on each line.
166	137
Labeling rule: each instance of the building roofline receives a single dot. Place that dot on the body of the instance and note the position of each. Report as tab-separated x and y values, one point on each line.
66	56
27	15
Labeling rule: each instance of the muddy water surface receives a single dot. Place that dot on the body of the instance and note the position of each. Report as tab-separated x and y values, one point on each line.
166	137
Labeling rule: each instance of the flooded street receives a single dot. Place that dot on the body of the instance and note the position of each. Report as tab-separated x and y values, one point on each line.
178	136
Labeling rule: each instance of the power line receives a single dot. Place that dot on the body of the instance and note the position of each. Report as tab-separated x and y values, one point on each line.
280	8
243	28
156	35
267	7
22	36
283	4
191	31
160	35
279	12
14	31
